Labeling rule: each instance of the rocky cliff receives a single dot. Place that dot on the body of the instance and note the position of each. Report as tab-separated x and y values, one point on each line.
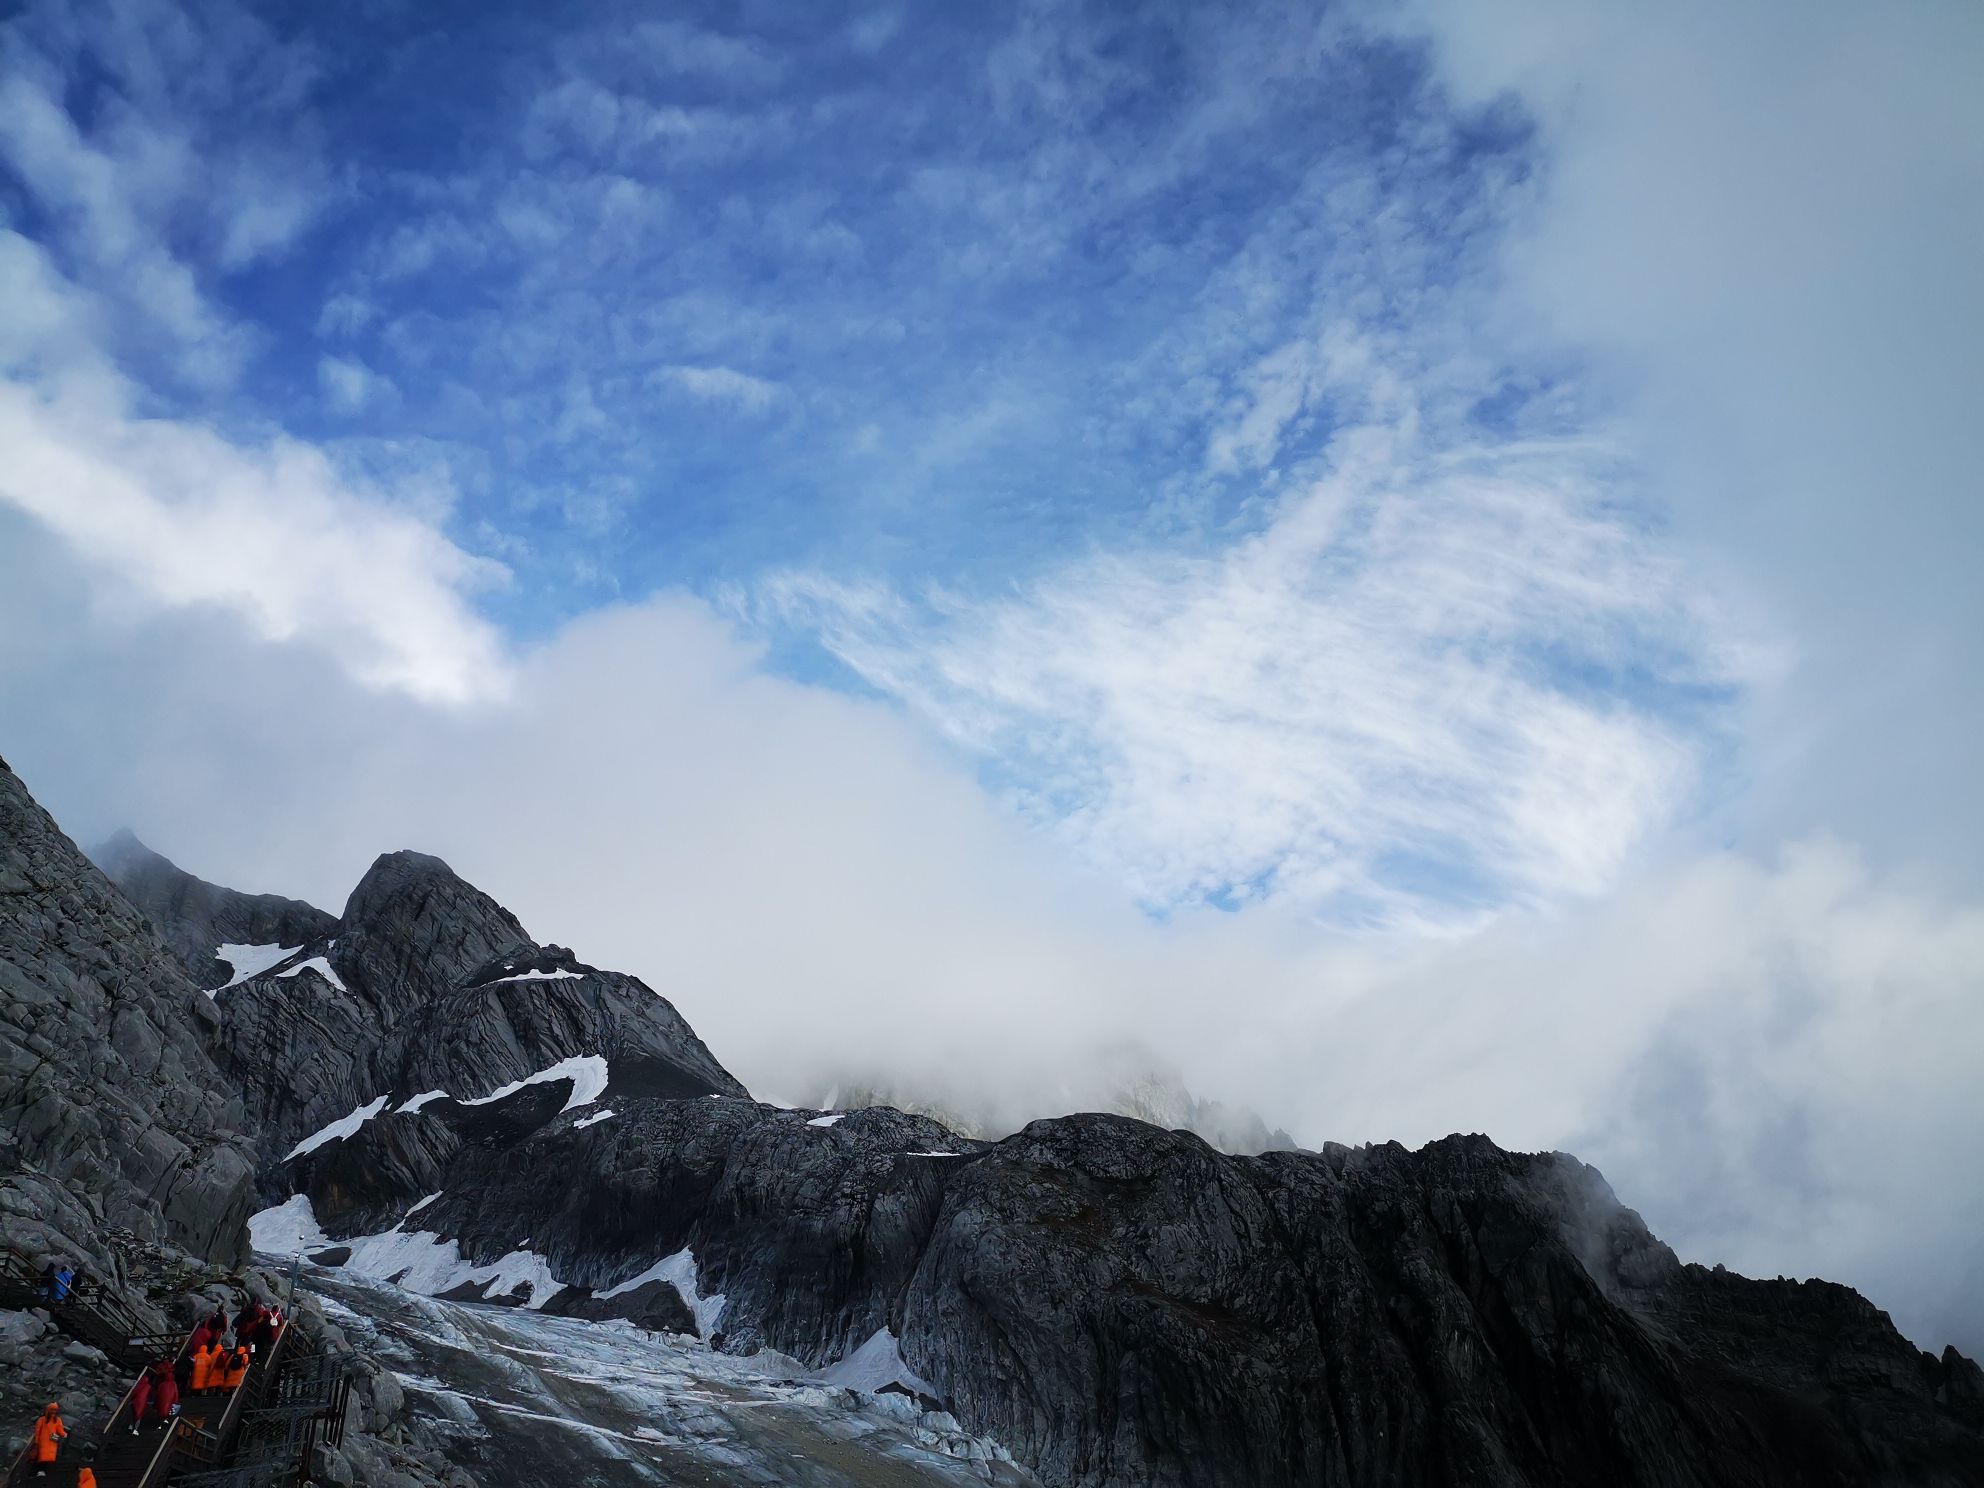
451	1105
196	918
112	1103
1118	1304
424	985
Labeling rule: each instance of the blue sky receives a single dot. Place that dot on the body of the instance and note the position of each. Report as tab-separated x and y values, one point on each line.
939	295
1394	537
867	326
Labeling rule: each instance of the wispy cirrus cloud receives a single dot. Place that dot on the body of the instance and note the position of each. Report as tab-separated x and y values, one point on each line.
151	193
1434	682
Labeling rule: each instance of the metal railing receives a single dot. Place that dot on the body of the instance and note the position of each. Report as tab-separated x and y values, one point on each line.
258	1434
88	1309
209	1445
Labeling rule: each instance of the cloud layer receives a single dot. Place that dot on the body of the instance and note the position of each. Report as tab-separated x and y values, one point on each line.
173	513
1503	487
1771	1060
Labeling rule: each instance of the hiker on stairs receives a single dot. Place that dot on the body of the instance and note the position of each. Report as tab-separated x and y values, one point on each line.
48	1433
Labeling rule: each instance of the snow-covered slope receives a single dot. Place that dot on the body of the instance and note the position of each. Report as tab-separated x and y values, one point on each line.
521	1400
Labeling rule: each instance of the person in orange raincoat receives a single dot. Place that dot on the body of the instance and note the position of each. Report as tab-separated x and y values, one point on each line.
205	1359
86	1478
234	1368
48	1433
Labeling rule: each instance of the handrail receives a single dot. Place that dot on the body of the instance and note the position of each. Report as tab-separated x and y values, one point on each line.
149	1471
181	1442
88	1308
207	1445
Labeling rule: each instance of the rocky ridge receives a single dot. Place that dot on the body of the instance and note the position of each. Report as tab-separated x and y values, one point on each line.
124	1145
1114	1302
195	917
426	985
1126	1079
114	1107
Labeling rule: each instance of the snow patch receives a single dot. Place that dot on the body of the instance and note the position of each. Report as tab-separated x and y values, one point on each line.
418	1260
420	1206
536	976
877	1363
338	1130
252	960
289	1227
679	1270
319	965
592	1120
587	1072
828	1120
422	1099
933	1154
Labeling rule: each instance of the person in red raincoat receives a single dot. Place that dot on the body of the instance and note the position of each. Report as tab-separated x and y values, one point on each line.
141	1397
165	1391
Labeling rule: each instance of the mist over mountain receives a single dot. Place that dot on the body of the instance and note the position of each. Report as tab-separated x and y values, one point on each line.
1161	672
438	1101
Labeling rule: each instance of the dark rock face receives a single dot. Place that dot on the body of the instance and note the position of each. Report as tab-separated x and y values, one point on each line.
1117	1303
108	1089
428	984
413	931
1120	1305
195	917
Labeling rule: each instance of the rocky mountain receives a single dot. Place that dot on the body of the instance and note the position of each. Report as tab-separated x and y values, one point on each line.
197	918
112	1103
1118	1304
125	1147
425	985
442	1102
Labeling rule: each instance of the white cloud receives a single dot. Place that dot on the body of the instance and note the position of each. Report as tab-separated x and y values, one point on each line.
1771	1060
148	191
1430	679
101	200
725	386
174	513
1759	224
673	46
350	386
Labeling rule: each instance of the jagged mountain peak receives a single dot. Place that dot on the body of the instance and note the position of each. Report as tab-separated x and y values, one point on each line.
414	929
427	986
405	880
121	846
